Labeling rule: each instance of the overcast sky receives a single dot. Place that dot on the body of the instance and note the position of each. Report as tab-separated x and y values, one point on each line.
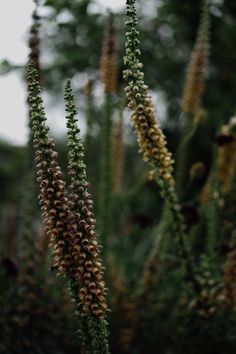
15	17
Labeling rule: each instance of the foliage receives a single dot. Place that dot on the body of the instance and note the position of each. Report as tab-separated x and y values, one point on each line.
167	228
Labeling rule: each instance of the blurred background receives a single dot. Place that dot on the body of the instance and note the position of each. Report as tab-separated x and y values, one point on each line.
71	38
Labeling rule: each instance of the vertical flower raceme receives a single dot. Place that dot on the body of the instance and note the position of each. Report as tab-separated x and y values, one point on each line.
70	223
81	204
194	116
90	272
194	85
219	186
88	91
109	78
34	55
118	152
109	59
151	140
50	178
220	180
34	40
226	163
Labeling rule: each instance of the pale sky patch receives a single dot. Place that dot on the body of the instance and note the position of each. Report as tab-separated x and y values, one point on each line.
15	19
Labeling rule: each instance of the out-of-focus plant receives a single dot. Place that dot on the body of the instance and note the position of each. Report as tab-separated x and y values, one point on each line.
109	72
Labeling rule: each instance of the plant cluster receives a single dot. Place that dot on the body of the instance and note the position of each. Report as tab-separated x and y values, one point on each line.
157	274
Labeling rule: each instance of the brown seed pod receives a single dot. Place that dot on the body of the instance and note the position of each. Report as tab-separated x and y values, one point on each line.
85	243
92	287
52	212
60	225
82	257
88	299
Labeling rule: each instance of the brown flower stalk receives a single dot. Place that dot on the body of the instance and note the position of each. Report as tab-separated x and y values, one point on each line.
88	91
72	236
109	59
118	153
151	140
89	274
194	85
226	159
69	219
109	69
225	165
